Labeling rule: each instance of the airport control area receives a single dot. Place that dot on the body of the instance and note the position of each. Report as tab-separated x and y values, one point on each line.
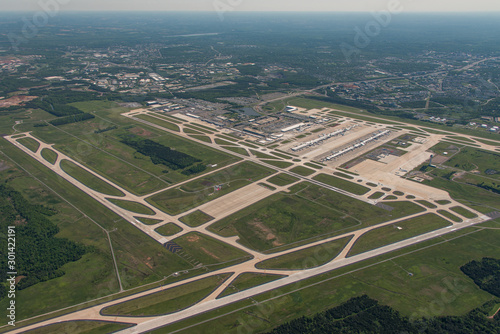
233	214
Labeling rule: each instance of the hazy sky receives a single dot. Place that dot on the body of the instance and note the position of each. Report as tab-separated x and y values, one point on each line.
257	5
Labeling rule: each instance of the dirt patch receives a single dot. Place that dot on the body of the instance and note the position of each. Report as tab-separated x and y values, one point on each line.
141	132
209	253
193	238
16	100
266	233
439	159
147	263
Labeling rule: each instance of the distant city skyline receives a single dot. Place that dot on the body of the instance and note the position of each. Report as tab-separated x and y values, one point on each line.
255	5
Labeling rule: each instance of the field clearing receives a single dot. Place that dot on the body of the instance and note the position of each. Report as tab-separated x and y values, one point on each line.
196	218
399	231
29	143
168	229
302	171
81	327
333	181
210	251
88	179
248	280
282	179
160	122
307	258
167	301
49	155
194	193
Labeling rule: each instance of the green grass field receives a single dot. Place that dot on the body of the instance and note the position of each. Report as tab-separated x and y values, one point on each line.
199	191
202	138
248	280
463	212
209	251
160	122
261	155
283	220
282	179
81	327
345	176
29	143
104	153
313	165
168	229
49	155
471	159
238	150
88	179
333	181
132	206
307	258
277	163
196	218
168	301
396	232
219	141
302	171
376	195
451	216
148	221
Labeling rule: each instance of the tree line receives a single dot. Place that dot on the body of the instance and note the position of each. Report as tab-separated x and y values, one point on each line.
39	254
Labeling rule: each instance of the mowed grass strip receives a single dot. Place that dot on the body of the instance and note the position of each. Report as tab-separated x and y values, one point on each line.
161	122
29	143
202	190
49	155
202	138
282	179
210	251
148	221
81	327
307	258
238	150
302	171
426	204
463	212
132	206
246	281
219	141
261	155
342	184
345	176
390	234
196	218
168	301
376	195
450	216
168	229
277	163
89	179
312	165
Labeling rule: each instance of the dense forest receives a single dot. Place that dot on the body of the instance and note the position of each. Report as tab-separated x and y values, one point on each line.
159	153
39	254
365	315
485	273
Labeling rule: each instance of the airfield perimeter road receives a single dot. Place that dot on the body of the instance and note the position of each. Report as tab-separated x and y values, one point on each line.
209	303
